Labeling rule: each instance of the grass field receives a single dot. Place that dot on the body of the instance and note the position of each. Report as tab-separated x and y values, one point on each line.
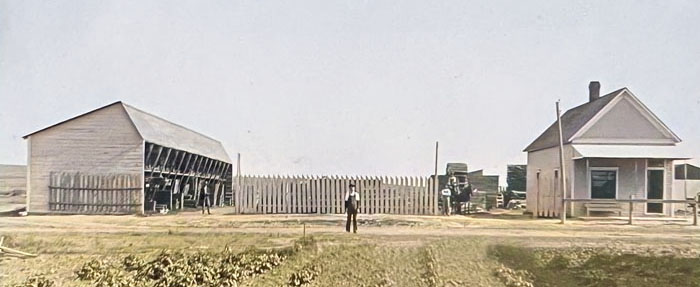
507	250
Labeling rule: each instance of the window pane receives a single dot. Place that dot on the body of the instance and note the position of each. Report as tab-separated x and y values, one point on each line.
603	183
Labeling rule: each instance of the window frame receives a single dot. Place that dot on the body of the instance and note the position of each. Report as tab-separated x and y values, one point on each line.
617	181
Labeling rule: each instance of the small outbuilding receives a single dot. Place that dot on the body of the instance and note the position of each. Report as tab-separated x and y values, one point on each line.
118	159
614	148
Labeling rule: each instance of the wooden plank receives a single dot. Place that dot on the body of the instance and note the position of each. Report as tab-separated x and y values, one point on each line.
333	194
263	190
155	161
421	195
242	195
282	203
367	186
266	183
414	195
302	194
394	195
370	195
292	195
380	195
340	194
277	189
275	193
328	195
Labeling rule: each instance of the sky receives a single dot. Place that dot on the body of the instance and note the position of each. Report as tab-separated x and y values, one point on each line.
347	87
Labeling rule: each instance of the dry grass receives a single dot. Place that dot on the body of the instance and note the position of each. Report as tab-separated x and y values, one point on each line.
388	251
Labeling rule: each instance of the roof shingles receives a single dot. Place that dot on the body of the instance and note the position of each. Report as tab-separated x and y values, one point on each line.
571	122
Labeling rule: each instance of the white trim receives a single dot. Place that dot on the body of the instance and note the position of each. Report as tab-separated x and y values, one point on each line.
29	173
572	186
653	116
623	141
625	94
617	180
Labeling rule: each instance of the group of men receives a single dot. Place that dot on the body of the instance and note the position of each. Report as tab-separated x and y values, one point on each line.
454	194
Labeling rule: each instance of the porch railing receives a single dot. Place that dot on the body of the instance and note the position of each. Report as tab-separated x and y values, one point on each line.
693	203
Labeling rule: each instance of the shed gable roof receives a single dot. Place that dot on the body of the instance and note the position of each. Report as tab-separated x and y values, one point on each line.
159	131
580	118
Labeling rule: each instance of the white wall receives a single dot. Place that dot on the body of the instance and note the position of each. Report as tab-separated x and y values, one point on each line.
544	195
102	142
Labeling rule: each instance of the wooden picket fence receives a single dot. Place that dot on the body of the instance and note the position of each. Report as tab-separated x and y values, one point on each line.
95	194
326	194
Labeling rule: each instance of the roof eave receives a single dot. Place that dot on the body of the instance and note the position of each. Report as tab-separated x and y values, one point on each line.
70	119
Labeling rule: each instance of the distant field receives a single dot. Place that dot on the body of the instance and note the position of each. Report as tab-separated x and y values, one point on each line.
13	185
387	251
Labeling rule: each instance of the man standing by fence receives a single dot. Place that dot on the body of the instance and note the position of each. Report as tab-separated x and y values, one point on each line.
446	193
352	205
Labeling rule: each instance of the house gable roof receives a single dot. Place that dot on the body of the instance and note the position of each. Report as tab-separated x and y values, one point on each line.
572	121
159	131
578	120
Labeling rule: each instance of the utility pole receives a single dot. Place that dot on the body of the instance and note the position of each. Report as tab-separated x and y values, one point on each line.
562	168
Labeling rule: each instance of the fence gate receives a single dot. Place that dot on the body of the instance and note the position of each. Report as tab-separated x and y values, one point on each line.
326	194
95	194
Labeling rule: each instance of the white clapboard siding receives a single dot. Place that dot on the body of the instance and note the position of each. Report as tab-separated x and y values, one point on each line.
102	142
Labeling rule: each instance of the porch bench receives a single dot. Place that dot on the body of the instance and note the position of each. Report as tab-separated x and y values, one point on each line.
610	207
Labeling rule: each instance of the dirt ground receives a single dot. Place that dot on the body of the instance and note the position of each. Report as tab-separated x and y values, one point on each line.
388	250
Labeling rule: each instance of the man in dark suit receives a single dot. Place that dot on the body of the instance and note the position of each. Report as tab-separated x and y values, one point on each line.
205	197
352	205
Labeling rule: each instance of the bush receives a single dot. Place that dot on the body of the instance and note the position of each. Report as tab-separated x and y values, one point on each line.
36	281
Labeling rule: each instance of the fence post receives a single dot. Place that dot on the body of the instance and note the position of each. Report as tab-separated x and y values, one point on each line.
630	215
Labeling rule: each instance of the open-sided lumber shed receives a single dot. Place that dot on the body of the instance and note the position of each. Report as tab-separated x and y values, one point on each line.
119	159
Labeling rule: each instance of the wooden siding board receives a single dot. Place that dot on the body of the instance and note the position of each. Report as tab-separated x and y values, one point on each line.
100	142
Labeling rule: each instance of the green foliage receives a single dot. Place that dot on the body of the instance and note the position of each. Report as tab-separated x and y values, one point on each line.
304	276
36	281
180	269
92	270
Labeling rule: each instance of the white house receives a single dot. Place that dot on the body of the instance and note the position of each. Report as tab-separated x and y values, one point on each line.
614	148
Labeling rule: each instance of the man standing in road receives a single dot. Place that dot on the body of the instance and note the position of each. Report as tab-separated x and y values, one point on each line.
352	205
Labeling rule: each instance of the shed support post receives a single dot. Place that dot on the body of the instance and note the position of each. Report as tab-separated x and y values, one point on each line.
695	212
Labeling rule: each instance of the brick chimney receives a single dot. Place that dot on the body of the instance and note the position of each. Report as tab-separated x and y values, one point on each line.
593	91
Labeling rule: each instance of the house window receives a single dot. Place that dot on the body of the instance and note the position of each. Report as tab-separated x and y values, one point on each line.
603	183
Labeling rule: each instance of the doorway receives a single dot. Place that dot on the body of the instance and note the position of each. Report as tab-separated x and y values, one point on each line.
655	190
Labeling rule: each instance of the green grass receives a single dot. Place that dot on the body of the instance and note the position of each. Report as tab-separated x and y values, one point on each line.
586	267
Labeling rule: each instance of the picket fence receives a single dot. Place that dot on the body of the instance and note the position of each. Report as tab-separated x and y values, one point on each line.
95	194
326	194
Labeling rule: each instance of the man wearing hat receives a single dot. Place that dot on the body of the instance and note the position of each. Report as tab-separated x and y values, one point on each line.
352	201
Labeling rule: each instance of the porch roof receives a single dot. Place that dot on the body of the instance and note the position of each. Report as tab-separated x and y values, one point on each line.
628	151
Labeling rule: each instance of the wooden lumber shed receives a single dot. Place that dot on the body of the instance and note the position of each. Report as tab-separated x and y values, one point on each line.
118	159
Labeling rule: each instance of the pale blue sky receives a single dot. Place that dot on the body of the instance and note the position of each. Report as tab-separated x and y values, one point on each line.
347	87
